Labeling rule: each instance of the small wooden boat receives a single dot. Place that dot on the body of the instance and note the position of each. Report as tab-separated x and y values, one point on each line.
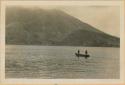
82	55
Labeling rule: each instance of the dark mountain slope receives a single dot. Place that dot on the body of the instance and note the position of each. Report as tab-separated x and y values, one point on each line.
51	27
90	39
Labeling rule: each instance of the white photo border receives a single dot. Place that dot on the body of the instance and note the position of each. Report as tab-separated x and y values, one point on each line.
61	81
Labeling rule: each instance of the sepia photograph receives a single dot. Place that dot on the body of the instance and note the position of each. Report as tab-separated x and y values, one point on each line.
52	41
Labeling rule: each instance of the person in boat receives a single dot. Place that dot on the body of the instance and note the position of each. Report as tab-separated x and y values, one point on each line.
86	52
78	52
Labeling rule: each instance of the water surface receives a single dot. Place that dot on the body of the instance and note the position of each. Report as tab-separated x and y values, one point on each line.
59	62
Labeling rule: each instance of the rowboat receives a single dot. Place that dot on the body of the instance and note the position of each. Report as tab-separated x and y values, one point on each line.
82	55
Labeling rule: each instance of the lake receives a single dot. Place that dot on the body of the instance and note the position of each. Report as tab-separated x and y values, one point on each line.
60	62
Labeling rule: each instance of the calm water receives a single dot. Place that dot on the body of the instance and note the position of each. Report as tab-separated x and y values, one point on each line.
48	62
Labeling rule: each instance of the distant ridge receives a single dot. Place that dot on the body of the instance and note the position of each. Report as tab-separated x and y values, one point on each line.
37	26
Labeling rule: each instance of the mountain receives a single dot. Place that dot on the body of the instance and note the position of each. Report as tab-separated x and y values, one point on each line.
38	26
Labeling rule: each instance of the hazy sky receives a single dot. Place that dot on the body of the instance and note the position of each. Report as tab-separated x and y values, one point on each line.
104	18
